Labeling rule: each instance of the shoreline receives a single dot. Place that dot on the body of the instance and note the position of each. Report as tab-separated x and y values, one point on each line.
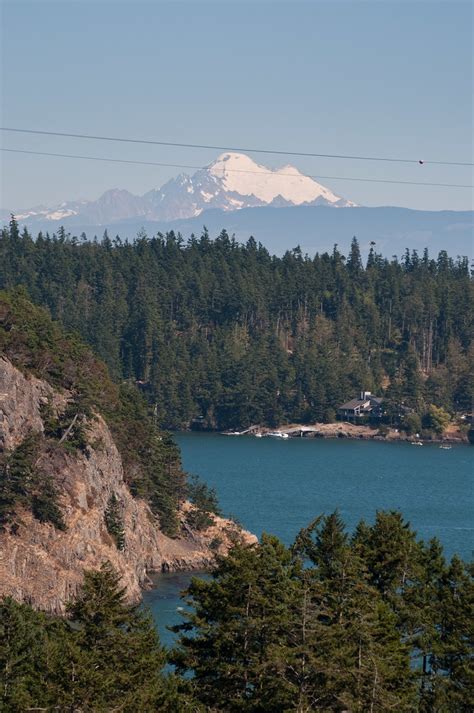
350	431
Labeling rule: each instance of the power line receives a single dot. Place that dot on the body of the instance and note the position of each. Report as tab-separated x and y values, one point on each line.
236	170
233	148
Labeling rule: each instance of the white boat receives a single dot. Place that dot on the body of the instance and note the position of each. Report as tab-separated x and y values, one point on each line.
446	448
416	443
277	434
258	435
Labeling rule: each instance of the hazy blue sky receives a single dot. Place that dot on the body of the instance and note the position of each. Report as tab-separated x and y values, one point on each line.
380	78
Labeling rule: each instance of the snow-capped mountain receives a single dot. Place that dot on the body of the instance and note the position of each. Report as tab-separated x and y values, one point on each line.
231	182
234	181
237	173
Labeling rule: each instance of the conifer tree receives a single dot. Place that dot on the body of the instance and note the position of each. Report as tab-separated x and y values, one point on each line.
449	683
116	658
23	640
231	642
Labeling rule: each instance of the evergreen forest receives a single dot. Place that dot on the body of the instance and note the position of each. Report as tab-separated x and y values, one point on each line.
221	335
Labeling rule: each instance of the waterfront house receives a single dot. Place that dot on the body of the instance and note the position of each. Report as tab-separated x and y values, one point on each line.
366	404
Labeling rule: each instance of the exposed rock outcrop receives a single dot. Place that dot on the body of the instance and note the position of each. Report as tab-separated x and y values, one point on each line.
43	565
21	399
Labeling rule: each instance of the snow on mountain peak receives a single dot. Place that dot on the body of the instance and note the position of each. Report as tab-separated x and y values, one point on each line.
231	182
238	173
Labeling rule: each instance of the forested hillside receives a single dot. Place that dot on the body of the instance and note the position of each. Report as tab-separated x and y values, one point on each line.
224	335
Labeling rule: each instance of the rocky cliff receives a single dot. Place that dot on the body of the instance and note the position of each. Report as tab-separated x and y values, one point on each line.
44	565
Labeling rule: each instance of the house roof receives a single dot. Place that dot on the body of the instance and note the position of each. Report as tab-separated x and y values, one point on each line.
355	403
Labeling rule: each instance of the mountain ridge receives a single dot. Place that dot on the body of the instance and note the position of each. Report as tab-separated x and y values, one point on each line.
232	182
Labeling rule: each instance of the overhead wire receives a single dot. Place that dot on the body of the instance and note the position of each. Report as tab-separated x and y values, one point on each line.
234	170
279	152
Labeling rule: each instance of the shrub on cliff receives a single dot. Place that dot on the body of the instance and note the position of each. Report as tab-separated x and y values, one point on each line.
205	501
114	521
24	483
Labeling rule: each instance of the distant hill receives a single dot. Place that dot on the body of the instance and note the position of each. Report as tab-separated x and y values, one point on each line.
317	228
314	228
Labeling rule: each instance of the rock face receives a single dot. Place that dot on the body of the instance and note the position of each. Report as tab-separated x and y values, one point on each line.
20	403
44	566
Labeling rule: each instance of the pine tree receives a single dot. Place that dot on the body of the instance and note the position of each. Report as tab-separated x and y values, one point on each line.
366	666
231	642
390	552
116	657
106	657
23	641
449	684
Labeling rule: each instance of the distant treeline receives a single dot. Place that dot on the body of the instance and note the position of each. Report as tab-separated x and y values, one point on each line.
223	335
375	622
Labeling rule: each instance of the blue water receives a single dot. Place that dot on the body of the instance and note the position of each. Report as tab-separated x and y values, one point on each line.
278	486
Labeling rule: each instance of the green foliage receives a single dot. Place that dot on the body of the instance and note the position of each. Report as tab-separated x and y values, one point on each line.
215	543
68	427
105	657
206	504
239	616
412	423
114	521
44	502
222	335
393	558
23	483
375	622
23	645
151	458
436	418
269	634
